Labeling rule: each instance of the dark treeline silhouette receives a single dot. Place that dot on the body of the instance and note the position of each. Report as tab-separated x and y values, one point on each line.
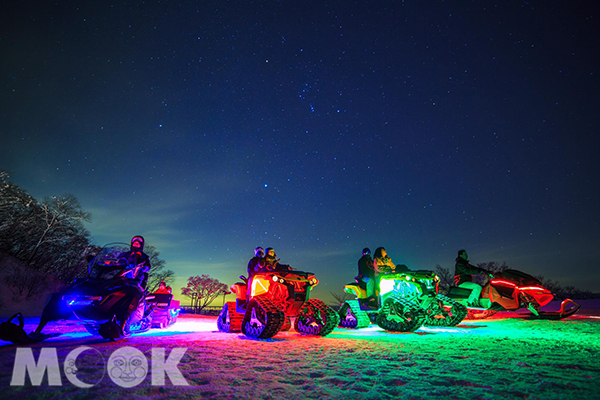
44	244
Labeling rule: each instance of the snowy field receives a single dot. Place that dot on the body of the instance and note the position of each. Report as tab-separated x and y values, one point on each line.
505	357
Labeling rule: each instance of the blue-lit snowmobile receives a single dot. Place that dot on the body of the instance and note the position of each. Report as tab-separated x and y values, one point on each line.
109	301
275	297
407	300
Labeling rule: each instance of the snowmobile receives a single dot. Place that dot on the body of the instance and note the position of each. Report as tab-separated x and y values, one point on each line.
511	290
407	300
109	301
267	301
166	310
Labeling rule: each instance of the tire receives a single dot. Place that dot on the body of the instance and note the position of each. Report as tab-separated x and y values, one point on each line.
399	315
352	317
262	319
445	312
229	321
316	318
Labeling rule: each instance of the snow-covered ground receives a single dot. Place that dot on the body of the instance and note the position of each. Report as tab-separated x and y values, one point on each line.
507	356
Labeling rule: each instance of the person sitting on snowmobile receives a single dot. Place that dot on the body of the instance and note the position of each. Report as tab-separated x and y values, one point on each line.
272	262
382	263
256	263
366	272
463	277
163	288
138	261
140	265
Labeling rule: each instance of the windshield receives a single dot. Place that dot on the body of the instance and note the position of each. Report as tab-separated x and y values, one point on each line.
109	262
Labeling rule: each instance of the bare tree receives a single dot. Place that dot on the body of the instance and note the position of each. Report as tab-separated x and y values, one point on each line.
61	216
158	272
342	298
47	236
446	278
203	290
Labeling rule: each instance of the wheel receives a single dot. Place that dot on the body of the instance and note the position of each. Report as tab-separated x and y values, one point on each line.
262	319
229	320
351	316
399	315
444	311
316	318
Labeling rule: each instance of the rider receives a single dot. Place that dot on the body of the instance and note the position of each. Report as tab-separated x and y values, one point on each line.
382	263
366	272
257	262
272	262
138	261
163	288
463	277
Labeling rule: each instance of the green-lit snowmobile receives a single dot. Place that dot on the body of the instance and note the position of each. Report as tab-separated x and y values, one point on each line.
406	301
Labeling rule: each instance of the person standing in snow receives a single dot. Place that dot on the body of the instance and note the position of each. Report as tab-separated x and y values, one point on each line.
463	277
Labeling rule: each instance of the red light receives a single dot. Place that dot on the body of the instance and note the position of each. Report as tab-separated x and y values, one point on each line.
504	283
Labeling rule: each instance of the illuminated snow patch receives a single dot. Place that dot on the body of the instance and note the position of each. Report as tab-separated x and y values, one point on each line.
183	326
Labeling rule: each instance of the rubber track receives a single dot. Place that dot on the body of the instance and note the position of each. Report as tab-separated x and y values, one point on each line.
275	318
287	324
458	311
359	319
234	322
327	317
417	316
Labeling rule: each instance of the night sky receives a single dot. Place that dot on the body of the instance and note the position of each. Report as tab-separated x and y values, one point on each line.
314	127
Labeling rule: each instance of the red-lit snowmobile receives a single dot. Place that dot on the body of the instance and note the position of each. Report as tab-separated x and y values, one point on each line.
407	300
511	290
274	298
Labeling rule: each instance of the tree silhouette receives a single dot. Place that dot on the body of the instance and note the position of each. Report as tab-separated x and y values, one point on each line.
203	290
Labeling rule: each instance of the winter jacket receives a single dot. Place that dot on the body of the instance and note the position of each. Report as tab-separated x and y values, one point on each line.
463	271
383	265
365	267
255	265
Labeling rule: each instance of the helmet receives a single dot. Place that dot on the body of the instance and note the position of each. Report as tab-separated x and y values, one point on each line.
137	243
366	251
268	250
259	252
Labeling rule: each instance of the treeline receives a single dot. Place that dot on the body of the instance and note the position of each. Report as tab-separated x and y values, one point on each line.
44	244
560	292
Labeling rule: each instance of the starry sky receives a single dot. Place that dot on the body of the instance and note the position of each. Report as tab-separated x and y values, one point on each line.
314	127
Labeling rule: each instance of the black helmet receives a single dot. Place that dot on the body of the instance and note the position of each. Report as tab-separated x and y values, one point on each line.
366	251
137	239
259	250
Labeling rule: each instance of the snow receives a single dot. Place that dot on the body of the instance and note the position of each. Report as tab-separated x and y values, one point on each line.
507	356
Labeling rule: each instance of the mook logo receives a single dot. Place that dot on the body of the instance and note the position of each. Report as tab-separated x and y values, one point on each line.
85	367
